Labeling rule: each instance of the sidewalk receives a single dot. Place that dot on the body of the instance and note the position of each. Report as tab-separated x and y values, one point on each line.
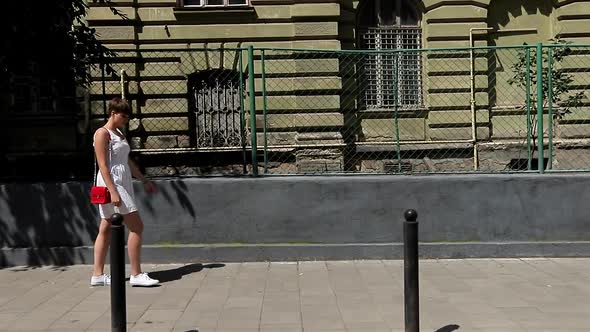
456	295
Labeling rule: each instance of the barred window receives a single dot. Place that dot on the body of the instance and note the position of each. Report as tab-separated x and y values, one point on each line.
214	97
390	78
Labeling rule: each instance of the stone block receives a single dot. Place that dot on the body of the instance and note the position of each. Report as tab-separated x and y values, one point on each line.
453	43
460	133
455	82
572	10
157	106
158	14
457	62
301	120
315	29
129	68
273	12
581	79
134	124
456	99
162	69
161	142
511	126
185	63
315	166
384	129
276	138
294	84
323	44
165	124
118	33
575	62
334	137
300	66
135	143
183	141
105	13
573	27
571	159
448	30
319	160
457	12
296	103
457	117
578	114
111	87
581	130
164	87
217	32
301	10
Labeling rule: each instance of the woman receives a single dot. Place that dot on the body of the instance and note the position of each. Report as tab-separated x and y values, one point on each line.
115	171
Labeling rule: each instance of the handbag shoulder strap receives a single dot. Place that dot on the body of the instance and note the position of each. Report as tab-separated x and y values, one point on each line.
96	161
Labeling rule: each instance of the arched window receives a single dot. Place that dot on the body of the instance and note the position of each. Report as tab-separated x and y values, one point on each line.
214	108
390	79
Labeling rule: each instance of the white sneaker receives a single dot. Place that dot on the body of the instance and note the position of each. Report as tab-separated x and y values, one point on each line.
101	280
142	279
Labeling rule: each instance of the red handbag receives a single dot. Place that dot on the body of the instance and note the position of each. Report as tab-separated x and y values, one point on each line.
100	195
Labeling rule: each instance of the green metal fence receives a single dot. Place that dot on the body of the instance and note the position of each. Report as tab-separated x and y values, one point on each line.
300	111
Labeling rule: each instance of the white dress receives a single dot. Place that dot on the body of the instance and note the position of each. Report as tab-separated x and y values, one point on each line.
118	162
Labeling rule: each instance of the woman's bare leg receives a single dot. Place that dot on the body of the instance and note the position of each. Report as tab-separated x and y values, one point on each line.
135	225
101	246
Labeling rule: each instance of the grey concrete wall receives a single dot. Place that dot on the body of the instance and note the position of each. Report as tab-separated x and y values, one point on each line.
309	211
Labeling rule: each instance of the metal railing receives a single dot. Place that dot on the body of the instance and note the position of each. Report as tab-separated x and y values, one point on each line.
254	111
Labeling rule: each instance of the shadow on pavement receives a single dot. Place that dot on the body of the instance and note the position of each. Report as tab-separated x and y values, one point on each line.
448	328
176	274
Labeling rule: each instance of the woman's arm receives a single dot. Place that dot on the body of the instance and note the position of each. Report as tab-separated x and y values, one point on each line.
148	185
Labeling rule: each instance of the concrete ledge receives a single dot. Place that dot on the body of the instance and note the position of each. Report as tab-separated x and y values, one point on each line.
298	252
306	218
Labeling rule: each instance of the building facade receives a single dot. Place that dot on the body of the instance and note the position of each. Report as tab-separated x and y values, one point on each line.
337	85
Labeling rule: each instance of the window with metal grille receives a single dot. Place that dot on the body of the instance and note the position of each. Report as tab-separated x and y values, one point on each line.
393	78
215	108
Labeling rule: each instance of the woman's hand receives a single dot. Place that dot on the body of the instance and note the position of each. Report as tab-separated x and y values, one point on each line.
149	186
115	199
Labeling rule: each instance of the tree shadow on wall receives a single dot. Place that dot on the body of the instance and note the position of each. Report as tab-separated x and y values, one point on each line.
501	12
49	219
176	195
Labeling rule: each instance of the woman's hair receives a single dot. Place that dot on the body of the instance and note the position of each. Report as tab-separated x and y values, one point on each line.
119	105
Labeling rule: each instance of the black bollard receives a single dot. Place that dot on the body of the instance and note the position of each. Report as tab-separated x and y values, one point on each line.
411	303
118	301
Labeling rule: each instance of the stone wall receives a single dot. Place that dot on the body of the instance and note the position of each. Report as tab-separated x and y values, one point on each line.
353	217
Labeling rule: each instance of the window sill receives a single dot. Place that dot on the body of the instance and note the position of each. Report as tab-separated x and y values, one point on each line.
244	10
413	109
